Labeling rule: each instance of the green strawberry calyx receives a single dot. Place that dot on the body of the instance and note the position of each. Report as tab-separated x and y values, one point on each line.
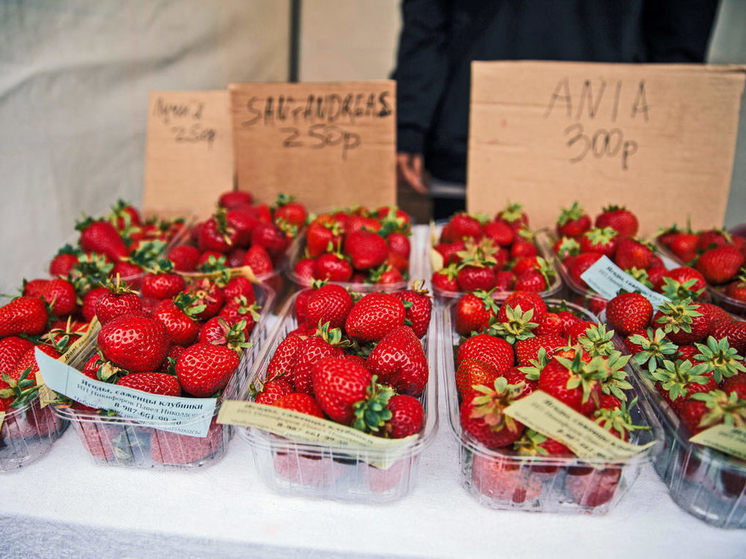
676	376
597	341
570	214
517	326
678	315
491	402
720	358
618	421
372	413
723	408
655	348
584	375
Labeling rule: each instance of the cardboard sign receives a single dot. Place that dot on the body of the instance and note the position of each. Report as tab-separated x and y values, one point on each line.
659	139
189	152
329	144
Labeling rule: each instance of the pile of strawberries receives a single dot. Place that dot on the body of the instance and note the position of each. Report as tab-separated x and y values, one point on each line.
499	254
520	347
356	246
241	233
355	359
693	352
719	256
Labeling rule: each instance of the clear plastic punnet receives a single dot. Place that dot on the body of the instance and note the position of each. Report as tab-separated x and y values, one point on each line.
117	441
506	480
552	290
338	473
27	434
705	482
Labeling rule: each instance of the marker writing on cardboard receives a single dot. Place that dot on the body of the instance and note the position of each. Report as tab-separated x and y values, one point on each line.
184	120
315	121
601	142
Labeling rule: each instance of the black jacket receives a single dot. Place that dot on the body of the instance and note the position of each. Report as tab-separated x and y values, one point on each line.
440	38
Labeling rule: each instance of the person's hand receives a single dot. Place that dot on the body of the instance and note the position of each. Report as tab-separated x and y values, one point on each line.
409	168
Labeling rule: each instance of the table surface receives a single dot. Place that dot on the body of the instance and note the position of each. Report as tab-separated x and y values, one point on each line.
65	504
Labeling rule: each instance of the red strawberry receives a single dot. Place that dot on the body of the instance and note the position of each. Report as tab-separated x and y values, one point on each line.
24	315
234	198
330	303
271	237
407	416
61	296
90	300
473	278
321	233
273	390
691	413
312	350
551	324
713	238
64	261
385	275
463	226
735	331
514	216
599	240
445	279
217	235
527	301
399	243
574	383
292	212
620	219
164	285
682	321
184	258
332	266
179	318
135	343
116	301
720	265
531	280
243	224
580	264
27	363
258	259
418	306
34	287
12	349
483	416
373	316
522	248
450	251
684	245
474	312
154	383
488	349
366	250
573	222
399	361
737	289
472	372
203	369
343	389
504	280
629	312
527	350
500	232
101	237
300	402
304	269
632	254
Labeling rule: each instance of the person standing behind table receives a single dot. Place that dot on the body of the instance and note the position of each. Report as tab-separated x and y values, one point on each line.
440	39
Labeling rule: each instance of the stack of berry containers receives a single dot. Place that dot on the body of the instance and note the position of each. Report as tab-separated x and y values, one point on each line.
361	250
506	480
116	441
723	267
337	473
500	254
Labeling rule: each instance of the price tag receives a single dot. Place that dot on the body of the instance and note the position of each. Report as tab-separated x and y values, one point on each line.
585	438
608	279
725	438
330	144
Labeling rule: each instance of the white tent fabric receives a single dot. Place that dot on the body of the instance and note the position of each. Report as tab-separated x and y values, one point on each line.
74	82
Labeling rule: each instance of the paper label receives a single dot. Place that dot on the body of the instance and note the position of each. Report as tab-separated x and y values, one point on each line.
607	279
46	394
185	416
725	438
302	427
552	418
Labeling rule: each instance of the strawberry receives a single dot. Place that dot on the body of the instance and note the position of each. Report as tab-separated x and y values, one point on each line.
504	280
300	402
330	303
301	304
292	212
514	216
234	198
522	248
552	323
450	251
573	221
397	261
620	219
684	246
243	224
90	300
445	279
734	331
488	349
204	369
304	269
240	310
683	281
23	315
532	280
12	349
632	254
629	312
27	364
527	350
472	372
117	300
473	278
691	413
179	318
323	233
332	266
682	321
580	264
101	237
154	383
162	283
737	289
135	343
721	264
209	295
366	250
591	487
34	287
399	243
483	416
184	258
216	234
462	226
400	362
418	305
500	232
64	261
310	351
61	296
124	216
713	238
373	316
407	416
574	382
273	390
347	393
271	237
474	312
599	240
527	301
